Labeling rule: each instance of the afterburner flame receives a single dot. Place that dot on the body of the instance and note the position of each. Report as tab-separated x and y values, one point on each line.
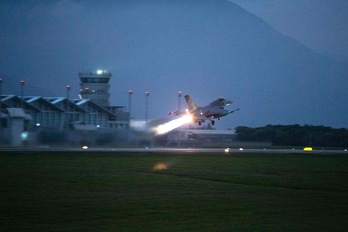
171	125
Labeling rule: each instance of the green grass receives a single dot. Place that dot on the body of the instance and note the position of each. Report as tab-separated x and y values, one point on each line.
120	192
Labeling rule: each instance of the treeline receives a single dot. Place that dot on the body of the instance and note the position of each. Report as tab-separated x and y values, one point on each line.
295	135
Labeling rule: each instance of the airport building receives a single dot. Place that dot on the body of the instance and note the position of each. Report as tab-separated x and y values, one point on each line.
21	115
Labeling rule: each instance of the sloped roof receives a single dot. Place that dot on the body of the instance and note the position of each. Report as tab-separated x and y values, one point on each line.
7	99
56	100
81	102
32	99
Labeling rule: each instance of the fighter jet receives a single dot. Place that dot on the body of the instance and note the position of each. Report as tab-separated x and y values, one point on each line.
214	110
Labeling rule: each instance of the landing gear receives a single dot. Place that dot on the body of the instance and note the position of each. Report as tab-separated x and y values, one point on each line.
199	122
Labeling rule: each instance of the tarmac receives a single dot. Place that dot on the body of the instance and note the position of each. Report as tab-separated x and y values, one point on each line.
177	150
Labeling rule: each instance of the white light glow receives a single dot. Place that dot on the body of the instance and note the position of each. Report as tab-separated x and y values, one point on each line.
171	125
24	135
99	71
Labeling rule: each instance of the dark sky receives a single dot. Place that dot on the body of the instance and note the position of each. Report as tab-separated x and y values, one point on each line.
319	24
166	46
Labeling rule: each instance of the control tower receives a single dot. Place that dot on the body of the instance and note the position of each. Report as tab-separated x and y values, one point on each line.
95	86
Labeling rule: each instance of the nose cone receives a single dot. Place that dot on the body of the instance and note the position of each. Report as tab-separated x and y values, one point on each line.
230	111
226	112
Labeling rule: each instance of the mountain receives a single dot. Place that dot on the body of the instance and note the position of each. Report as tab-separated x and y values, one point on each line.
205	48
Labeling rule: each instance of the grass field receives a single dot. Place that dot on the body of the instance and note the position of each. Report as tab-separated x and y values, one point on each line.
209	192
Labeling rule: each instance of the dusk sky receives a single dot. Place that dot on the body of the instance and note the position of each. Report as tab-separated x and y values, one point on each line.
319	24
147	46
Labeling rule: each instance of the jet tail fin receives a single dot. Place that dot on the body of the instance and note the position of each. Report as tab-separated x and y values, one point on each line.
191	105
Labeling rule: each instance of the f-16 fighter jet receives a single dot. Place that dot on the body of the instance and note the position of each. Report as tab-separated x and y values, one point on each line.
215	109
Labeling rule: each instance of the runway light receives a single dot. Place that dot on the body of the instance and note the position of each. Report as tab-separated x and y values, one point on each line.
160	167
24	135
308	149
171	125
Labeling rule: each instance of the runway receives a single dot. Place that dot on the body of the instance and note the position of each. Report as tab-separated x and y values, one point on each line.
161	150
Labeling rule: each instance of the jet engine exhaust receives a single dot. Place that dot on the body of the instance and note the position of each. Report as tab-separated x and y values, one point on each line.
171	125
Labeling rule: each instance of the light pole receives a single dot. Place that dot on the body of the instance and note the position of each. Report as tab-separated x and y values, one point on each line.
67	103
22	89
0	93
68	92
179	108
147	94
130	92
179	100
